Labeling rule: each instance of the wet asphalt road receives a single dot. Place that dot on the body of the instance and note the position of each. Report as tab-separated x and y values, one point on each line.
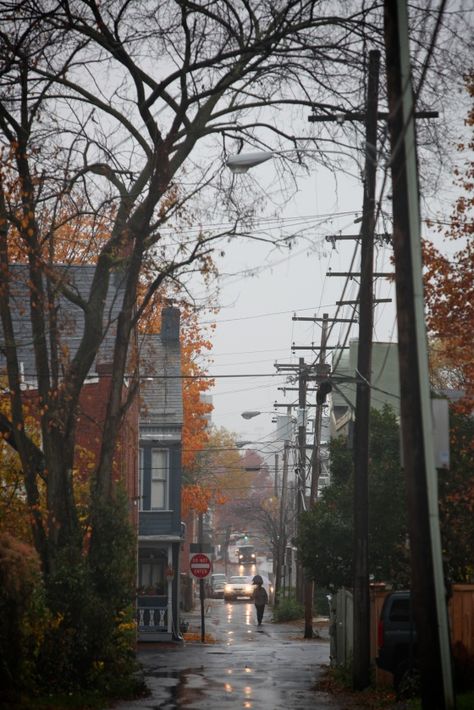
270	667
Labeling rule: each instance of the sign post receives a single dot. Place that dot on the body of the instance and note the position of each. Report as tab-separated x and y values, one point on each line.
200	566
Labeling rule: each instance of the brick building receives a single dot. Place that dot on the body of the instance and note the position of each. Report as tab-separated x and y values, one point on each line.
148	454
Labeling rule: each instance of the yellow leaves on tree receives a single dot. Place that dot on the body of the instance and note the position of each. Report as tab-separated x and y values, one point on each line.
14	510
15	513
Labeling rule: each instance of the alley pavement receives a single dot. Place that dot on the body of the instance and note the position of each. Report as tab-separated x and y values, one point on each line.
245	666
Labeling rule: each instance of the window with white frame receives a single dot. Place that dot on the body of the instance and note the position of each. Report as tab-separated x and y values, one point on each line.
154	478
159	479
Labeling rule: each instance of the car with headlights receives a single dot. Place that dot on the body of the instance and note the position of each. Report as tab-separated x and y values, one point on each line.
238	587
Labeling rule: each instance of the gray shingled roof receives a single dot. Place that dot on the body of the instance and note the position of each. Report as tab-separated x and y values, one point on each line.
161	397
70	316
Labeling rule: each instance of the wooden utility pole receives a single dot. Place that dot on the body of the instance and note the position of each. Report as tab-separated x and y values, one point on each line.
360	561
301	479
315	469
282	523
428	591
201	581
318	421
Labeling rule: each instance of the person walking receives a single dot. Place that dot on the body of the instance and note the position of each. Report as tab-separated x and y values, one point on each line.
260	598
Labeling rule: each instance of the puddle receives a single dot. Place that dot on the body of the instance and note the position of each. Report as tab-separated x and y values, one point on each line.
184	687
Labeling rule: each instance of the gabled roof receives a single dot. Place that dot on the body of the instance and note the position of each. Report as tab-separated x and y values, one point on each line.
70	316
160	356
161	385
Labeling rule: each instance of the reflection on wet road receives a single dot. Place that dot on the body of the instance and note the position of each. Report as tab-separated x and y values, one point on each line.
269	668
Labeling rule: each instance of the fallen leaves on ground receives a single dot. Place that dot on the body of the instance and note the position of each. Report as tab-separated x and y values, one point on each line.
369	699
195	637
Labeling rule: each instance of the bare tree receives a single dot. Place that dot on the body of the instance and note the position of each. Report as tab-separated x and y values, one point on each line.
115	117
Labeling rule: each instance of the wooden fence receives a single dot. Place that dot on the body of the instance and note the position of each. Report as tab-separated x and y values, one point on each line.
461	620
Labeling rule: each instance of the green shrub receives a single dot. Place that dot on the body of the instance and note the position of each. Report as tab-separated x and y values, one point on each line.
23	616
73	632
91	642
287	610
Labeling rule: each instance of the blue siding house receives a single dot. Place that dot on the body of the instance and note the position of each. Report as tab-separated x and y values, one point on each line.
160	533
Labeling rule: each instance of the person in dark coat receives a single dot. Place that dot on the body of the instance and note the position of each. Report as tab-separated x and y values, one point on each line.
259	598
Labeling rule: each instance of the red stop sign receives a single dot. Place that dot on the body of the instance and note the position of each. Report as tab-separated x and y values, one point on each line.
200	565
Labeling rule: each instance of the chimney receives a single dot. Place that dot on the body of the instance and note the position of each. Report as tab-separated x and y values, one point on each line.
170	324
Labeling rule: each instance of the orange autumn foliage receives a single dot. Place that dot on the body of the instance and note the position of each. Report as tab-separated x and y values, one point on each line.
449	287
72	235
199	498
77	237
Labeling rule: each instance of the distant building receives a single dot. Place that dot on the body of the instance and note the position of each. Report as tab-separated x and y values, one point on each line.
207	399
384	381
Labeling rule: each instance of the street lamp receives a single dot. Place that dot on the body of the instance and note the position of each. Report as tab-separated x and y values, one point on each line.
250	414
240	163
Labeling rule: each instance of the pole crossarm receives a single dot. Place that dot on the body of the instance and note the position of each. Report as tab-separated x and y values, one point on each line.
342	237
357	274
362	116
319	347
352	303
320	320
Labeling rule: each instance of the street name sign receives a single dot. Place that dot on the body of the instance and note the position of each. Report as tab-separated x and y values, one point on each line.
200	565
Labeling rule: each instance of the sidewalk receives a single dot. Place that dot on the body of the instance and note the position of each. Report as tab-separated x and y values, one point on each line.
212	626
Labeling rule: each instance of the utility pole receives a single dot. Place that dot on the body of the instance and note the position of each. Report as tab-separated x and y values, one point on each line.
428	590
360	561
309	583
316	455
276	475
301	480
282	522
201	580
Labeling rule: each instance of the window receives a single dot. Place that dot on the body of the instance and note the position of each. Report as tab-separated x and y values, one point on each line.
154	476
159	479
151	572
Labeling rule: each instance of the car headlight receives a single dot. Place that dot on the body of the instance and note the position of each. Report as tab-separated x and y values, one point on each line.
228	588
241	557
253	556
249	589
